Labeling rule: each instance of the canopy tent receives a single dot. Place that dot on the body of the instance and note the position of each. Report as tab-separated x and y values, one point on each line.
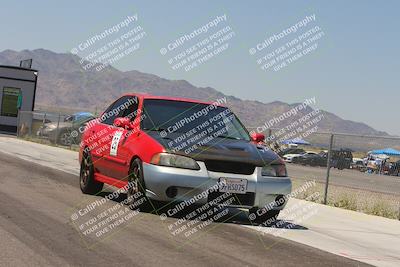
386	151
296	141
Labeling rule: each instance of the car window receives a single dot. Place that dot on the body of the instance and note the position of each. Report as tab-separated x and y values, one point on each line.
83	119
82	116
69	118
131	109
181	117
123	107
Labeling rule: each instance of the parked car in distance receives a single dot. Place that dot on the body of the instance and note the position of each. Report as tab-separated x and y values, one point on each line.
358	164
67	132
294	158
342	159
291	151
395	169
312	159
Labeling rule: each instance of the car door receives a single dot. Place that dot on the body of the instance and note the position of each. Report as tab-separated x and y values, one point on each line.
99	136
116	154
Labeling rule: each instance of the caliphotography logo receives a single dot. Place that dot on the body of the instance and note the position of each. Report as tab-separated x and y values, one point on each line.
193	133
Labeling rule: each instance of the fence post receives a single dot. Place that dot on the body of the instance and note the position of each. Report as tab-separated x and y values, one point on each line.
44	120
57	131
70	137
18	122
328	169
30	123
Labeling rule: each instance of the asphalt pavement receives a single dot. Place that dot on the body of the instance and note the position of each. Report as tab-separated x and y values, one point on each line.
45	178
36	229
347	178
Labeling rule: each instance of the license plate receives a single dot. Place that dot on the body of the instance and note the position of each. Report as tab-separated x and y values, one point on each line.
237	186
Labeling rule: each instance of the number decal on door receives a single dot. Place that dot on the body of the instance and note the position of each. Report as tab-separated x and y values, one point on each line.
114	143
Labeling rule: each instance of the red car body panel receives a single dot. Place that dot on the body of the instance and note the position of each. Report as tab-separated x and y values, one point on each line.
134	143
113	149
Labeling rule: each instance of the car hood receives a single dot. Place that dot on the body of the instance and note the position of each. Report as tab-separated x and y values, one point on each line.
220	149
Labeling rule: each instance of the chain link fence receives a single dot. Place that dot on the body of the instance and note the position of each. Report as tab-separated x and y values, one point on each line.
53	128
348	169
346	172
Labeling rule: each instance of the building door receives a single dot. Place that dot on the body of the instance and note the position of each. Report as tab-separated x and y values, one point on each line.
10	101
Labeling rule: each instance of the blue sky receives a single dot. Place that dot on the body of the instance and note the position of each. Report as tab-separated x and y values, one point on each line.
353	73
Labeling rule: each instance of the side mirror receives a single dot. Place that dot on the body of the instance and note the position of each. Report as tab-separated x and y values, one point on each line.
258	137
122	122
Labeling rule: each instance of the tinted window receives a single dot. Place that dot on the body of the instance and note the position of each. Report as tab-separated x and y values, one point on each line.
131	111
123	107
177	117
82	116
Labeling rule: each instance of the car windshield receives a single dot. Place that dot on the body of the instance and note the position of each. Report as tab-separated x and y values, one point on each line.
195	118
82	116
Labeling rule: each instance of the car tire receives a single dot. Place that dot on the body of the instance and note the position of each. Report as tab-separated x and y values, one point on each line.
87	182
64	138
269	218
136	191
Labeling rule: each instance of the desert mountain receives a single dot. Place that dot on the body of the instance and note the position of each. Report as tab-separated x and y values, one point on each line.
63	83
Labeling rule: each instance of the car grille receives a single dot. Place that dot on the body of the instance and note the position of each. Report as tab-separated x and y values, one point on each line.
230	167
239	199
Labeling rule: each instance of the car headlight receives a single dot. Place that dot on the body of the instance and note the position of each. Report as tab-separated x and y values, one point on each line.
172	160
274	170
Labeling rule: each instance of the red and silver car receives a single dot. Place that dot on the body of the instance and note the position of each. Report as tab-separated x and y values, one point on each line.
173	149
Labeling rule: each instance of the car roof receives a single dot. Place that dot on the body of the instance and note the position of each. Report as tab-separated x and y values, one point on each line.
149	96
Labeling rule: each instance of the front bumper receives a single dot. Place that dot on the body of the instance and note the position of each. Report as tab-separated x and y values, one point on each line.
190	184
